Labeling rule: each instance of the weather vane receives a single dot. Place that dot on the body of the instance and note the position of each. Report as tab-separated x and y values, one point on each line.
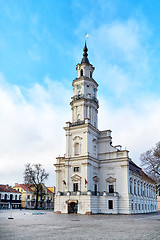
86	35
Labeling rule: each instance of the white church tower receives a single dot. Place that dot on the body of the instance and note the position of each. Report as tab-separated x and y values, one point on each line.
93	176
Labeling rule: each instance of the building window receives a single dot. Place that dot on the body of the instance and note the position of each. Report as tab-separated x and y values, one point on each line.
78	117
111	188
94	149
132	205
81	72
110	204
76	169
16	197
134	188
95	189
135	206
75	187
90	74
5	197
139	206
19	197
28	196
131	188
11	197
77	149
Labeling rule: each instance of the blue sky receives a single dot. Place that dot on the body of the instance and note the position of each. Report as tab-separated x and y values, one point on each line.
41	42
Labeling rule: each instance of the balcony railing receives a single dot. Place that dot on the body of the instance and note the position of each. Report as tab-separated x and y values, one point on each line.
81	96
71	193
77	123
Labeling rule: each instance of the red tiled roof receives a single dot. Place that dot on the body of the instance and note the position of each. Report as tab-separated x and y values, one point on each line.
25	187
6	188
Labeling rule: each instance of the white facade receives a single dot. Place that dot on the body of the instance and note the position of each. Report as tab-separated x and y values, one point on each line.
94	176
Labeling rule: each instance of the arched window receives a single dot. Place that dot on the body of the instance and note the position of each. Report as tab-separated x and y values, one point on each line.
77	149
11	197
81	72
131	187
5	197
135	192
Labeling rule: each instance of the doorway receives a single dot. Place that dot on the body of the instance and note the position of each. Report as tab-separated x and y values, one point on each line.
72	207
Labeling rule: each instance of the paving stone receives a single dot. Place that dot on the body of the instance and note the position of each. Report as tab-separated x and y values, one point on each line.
40	225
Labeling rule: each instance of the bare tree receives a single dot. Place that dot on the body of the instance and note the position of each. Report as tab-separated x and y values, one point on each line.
151	162
35	175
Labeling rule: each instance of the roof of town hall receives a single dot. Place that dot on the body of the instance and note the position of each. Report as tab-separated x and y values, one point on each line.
133	167
7	188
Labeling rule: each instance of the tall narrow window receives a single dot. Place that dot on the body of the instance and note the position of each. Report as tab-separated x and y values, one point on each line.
78	117
135	206
81	72
111	188
75	187
95	189
130	187
135	188
77	149
11	197
94	151
110	204
90	74
132	205
138	189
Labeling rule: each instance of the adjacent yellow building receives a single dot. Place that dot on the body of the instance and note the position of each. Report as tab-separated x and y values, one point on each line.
45	201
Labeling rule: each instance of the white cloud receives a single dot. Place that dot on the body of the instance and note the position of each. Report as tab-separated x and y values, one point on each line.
31	126
137	130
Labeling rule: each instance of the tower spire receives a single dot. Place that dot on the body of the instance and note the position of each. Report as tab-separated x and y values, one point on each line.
85	54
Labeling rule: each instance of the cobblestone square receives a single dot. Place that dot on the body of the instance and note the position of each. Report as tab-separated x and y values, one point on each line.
40	225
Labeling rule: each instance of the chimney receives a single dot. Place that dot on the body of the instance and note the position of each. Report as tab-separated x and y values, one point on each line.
16	184
7	186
